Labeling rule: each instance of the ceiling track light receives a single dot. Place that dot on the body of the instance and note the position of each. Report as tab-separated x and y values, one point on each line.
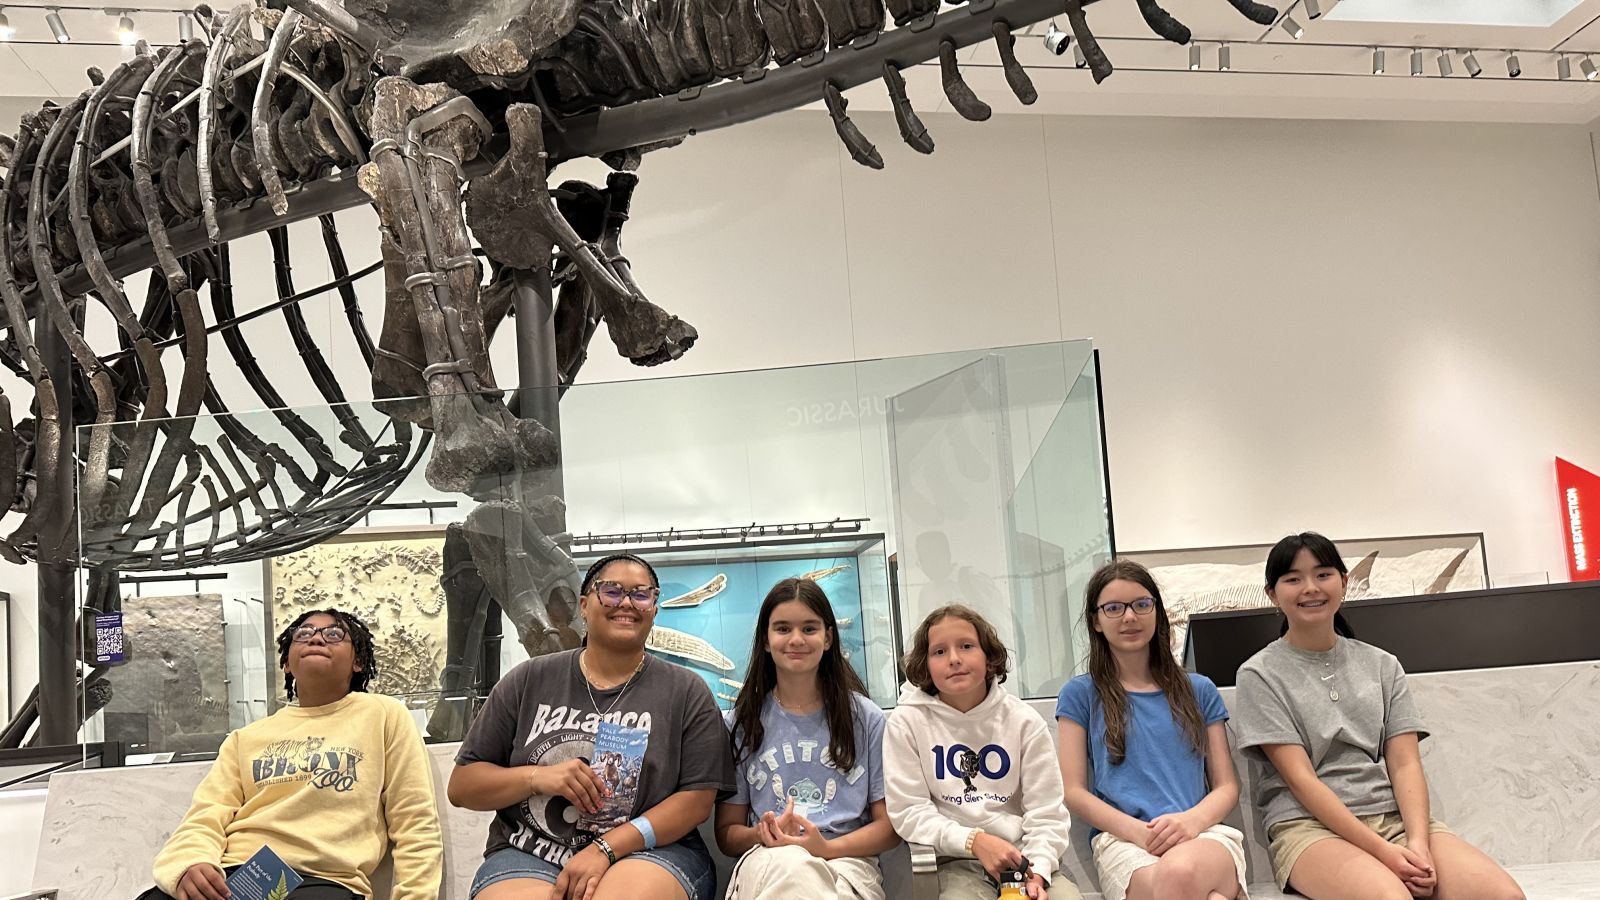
1292	28
1077	55
1313	10
6	31
185	27
53	19
1194	57
1588	68
1224	58
1056	40
1377	61
1444	64
1416	62
1513	65
127	32
1563	68
1473	69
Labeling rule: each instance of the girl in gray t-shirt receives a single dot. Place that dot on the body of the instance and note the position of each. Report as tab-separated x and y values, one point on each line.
1335	733
808	817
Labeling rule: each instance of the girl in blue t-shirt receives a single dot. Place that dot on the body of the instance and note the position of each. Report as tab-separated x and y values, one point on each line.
1144	753
807	818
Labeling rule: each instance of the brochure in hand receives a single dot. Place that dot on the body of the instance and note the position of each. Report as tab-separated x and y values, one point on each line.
263	877
618	759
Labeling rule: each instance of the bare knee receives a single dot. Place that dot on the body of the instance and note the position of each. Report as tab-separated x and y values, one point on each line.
1177	877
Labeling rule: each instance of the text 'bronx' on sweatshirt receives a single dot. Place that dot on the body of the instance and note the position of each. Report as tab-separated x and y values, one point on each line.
328	788
993	767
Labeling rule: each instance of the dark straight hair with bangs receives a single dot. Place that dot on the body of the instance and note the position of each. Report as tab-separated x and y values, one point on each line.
837	682
1281	560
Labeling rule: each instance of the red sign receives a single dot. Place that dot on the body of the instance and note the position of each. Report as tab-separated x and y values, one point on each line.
1580	494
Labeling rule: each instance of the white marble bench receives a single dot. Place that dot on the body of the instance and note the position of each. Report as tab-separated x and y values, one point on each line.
1511	766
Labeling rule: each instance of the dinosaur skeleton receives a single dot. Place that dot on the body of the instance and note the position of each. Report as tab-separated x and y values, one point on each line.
447	117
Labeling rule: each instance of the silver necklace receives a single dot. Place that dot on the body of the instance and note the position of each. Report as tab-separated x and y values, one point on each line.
589	687
1333	692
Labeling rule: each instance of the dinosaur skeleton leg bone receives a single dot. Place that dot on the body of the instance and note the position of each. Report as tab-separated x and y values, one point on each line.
422	135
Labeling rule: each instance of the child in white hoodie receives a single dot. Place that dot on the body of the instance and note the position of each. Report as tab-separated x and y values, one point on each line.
970	769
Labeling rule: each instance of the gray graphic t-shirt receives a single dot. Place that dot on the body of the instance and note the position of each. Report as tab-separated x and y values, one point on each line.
541	714
1341	705
793	761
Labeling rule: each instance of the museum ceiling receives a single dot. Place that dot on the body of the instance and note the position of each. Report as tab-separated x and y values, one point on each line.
1326	73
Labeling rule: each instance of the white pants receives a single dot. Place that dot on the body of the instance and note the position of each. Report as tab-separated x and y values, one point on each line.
784	873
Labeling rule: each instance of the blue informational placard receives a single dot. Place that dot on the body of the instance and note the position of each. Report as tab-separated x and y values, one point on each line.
263	877
108	638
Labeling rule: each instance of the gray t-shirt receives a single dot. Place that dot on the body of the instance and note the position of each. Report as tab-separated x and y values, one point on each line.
541	714
1287	696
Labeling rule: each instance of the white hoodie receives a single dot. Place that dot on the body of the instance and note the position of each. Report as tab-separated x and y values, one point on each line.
1016	793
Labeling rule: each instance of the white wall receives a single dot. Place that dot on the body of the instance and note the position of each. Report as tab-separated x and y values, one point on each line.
1368	329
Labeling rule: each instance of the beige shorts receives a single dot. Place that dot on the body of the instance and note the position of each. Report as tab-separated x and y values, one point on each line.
1117	860
1288	840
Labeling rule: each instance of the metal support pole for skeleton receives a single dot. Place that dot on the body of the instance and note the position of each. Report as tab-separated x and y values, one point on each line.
58	632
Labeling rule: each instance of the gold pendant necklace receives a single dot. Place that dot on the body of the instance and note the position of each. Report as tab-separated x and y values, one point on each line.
588	684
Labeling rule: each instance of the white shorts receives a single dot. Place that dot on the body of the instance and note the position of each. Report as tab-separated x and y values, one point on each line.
1117	860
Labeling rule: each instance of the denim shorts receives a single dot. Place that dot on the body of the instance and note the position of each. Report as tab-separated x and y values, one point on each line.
691	865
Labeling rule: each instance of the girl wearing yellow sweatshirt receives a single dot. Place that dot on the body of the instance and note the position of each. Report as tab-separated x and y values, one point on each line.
330	784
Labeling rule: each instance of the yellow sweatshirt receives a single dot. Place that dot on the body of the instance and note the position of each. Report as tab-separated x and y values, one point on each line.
328	788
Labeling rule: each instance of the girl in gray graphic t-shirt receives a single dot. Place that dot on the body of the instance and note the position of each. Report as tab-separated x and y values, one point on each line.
564	830
1342	790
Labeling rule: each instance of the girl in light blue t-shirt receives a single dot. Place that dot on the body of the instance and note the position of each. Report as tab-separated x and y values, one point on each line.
807	818
1144	752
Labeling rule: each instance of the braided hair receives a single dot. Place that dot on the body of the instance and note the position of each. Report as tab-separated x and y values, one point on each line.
356	632
600	565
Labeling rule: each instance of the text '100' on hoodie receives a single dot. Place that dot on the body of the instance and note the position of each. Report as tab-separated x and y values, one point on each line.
993	767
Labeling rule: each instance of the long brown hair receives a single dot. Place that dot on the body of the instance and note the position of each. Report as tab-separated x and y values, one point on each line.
837	682
1164	669
994	651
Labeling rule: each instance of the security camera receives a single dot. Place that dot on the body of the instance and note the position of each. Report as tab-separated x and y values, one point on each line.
1056	40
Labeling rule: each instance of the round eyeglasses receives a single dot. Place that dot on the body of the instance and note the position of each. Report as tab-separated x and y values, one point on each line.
612	594
331	634
1143	606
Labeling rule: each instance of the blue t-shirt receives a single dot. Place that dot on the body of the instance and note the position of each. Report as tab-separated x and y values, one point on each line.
1160	772
793	762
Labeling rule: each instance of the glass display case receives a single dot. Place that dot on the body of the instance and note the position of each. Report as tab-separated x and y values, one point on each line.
711	598
980	474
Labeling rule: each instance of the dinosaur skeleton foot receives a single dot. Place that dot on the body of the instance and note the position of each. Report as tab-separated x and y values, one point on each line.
526	570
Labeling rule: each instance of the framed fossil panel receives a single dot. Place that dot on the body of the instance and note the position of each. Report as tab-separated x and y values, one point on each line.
387	577
171	695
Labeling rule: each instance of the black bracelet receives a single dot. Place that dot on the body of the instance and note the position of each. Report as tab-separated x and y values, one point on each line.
605	847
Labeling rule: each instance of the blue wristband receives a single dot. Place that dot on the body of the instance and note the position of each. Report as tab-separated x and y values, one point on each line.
648	832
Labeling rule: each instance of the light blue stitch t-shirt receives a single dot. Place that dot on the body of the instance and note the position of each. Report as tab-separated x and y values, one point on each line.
1160	773
793	762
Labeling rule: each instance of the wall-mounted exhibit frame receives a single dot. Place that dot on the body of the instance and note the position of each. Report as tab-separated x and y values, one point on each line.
387	577
1219	579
